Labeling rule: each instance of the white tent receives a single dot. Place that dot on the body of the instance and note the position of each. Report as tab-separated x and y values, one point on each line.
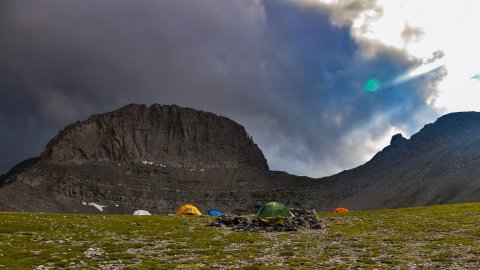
142	213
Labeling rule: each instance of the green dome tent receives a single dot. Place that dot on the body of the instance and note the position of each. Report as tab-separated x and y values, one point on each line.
274	209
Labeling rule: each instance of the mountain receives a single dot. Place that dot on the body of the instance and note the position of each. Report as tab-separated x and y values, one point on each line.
438	165
173	136
154	158
159	157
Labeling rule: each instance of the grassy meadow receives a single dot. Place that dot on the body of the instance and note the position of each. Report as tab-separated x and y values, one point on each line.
412	238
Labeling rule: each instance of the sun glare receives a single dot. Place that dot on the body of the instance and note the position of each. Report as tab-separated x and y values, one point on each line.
372	85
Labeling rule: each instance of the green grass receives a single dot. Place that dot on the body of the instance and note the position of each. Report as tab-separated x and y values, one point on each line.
425	237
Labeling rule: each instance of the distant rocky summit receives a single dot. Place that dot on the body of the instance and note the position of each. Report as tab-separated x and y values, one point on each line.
438	165
397	138
160	157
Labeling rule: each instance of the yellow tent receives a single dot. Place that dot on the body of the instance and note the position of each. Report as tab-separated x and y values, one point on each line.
188	209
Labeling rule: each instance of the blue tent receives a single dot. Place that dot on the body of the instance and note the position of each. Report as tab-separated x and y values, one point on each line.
213	212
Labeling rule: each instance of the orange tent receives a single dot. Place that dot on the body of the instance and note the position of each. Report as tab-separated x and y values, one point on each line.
188	209
340	210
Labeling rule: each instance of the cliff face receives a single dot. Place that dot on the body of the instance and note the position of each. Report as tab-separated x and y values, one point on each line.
167	135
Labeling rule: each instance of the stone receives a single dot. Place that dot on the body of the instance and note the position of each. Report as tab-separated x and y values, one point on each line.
93	252
301	221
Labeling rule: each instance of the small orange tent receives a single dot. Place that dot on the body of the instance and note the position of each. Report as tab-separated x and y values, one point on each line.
188	209
340	210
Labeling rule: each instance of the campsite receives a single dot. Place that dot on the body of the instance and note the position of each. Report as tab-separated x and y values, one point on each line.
425	237
239	134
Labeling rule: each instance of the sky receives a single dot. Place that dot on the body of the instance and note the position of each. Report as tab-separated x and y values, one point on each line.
320	85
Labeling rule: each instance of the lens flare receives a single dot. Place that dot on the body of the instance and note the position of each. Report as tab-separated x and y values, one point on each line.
419	71
372	85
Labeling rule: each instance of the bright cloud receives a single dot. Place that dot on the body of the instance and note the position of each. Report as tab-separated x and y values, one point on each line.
423	29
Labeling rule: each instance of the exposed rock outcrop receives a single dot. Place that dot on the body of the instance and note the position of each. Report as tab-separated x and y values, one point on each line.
168	135
397	138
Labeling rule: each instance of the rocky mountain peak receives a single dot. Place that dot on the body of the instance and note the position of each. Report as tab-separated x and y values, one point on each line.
397	138
451	127
167	135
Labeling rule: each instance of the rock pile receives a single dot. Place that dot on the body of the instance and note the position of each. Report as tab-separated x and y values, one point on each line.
302	220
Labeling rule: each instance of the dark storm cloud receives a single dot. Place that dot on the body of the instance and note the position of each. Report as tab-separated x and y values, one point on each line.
277	67
346	11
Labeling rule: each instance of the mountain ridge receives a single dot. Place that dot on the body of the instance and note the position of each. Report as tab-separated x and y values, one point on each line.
173	155
437	165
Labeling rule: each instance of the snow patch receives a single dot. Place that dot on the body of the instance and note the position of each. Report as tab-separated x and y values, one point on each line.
84	203
146	162
99	207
